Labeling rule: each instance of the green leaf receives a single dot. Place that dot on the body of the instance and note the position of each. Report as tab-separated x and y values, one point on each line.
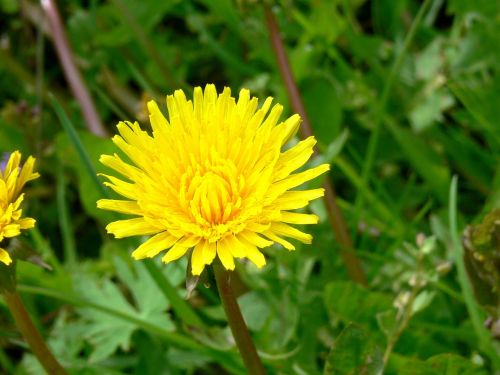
106	332
254	309
351	302
353	353
323	107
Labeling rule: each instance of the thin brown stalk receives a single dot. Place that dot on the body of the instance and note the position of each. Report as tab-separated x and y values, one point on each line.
31	334
337	221
236	322
71	72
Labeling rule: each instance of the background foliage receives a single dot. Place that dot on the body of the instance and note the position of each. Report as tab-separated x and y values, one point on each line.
403	95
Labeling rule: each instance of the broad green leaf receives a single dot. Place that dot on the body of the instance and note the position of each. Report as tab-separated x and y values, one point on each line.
323	107
353	353
254	309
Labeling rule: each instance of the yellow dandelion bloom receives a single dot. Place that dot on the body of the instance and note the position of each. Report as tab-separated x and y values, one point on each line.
13	177
212	178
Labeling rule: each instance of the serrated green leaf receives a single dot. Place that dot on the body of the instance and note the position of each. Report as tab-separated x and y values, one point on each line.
106	332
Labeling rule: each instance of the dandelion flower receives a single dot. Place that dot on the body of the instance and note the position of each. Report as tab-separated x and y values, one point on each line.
13	177
212	178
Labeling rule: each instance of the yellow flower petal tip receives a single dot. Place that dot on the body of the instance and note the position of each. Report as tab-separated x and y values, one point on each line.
211	179
13	177
5	257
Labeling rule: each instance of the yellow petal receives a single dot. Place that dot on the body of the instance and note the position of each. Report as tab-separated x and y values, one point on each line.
131	227
289	128
294	199
12	163
297	179
289	231
287	245
197	263
209	252
252	253
225	256
154	245
256	256
11	230
254	239
125	169
174	253
124	207
298	218
158	121
26	223
294	158
126	189
26	174
5	257
233	245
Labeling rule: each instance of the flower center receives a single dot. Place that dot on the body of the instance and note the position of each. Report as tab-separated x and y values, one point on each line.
210	194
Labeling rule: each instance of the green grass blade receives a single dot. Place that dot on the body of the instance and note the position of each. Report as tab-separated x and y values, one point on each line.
382	104
78	144
68	239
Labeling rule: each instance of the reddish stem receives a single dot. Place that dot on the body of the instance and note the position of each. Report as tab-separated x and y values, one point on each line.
31	334
337	221
71	72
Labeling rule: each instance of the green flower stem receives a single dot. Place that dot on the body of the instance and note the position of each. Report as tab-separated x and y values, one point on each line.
31	334
237	323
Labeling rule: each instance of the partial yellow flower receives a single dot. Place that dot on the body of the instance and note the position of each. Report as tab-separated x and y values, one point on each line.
212	178
13	177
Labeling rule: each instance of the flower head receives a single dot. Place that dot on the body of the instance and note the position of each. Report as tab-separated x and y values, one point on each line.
13	177
212	178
